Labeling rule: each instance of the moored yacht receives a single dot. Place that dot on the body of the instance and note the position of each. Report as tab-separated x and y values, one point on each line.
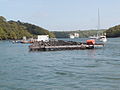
101	38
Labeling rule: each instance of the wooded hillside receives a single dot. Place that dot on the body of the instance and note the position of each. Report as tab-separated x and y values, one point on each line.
17	29
113	31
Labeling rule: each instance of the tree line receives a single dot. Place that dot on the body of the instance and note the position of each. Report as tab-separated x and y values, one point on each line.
82	34
112	32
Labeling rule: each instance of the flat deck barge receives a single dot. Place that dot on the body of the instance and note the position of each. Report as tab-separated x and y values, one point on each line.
61	45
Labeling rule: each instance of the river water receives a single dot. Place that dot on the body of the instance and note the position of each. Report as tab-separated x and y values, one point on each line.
97	69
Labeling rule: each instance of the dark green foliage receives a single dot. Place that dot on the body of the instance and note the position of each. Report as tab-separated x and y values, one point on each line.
16	30
2	34
113	32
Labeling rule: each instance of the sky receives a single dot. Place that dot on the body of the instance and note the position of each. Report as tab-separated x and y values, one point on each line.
63	15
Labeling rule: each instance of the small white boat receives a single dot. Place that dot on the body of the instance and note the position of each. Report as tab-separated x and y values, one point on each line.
103	38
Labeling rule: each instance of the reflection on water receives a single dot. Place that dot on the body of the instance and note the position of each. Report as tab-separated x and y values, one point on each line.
91	53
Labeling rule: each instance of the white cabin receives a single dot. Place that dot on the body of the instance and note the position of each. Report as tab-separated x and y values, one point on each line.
44	38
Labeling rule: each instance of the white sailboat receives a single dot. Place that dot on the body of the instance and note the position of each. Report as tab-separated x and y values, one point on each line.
101	38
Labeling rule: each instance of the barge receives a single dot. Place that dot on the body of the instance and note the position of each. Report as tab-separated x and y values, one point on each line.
63	45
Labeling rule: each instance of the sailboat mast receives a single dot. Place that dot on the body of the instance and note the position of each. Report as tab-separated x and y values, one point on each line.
98	20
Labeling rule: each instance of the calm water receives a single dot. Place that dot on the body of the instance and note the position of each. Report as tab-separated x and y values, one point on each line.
97	69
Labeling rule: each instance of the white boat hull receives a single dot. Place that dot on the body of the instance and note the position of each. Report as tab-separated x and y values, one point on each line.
103	40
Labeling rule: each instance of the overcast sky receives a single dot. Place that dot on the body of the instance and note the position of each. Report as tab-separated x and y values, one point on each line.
63	14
